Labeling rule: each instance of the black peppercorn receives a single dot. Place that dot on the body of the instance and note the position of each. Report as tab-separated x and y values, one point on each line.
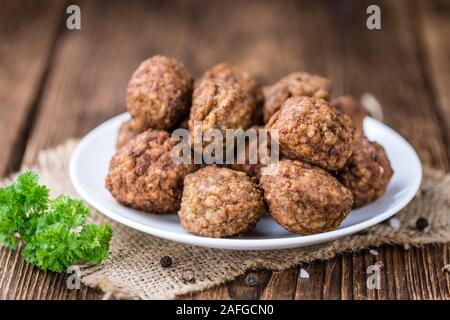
166	261
252	279
421	224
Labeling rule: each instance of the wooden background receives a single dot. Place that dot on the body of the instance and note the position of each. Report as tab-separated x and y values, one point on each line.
56	84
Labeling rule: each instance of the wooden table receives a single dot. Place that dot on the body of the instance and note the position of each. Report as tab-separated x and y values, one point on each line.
56	84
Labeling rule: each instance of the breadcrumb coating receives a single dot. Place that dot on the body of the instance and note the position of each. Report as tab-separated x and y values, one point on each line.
312	131
142	174
220	202
367	173
303	198
244	80
159	93
219	105
253	169
296	84
125	134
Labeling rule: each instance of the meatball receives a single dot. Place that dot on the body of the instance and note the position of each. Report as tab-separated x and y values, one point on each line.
309	129
351	107
294	85
220	202
126	133
252	145
219	105
367	173
159	93
142	174
242	79
303	198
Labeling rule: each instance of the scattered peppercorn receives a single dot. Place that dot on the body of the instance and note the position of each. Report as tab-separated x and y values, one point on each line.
166	261
252	279
421	224
188	275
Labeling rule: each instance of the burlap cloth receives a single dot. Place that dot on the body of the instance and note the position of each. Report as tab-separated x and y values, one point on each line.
133	268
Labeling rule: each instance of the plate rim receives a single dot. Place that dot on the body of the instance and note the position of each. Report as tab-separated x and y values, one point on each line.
237	243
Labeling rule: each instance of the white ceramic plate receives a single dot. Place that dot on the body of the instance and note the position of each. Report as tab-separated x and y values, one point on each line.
89	166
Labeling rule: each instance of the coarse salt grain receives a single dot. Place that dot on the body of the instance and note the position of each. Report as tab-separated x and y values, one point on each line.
304	274
188	275
394	223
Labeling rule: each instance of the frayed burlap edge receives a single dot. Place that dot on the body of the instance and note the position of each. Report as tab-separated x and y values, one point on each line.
132	269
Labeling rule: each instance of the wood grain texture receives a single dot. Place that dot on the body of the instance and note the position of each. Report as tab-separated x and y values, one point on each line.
28	32
281	286
249	286
434	26
403	65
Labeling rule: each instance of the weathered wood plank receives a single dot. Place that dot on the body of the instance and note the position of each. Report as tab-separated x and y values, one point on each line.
311	288
249	286
281	286
28	31
399	271
434	24
359	278
333	279
217	293
24	64
346	277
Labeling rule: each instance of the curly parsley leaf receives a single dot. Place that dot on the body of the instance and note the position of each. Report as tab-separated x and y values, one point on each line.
19	202
54	232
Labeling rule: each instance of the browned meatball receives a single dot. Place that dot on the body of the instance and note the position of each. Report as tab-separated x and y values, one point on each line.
220	202
242	79
159	93
351	107
367	173
126	133
219	105
142	174
252	145
294	85
304	199
311	130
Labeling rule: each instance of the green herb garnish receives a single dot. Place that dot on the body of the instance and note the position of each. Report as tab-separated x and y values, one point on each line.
54	232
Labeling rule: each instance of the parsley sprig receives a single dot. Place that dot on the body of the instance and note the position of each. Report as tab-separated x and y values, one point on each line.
54	232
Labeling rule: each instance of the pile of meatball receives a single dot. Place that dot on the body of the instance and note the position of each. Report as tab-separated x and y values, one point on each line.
327	165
